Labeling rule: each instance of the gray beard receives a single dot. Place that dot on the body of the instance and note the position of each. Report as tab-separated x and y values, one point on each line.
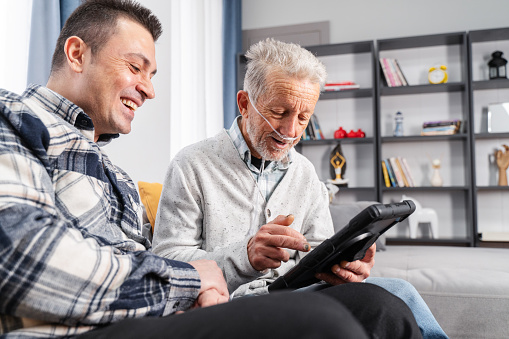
261	147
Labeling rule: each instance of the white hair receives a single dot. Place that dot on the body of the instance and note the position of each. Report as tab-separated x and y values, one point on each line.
271	56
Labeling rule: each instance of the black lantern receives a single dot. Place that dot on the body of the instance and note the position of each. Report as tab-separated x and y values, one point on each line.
497	66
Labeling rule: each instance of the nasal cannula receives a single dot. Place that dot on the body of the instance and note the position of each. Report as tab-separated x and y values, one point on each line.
254	225
283	137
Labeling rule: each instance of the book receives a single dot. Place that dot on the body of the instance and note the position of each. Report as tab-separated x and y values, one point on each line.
456	123
318	128
391	173
445	127
397	81
397	173
340	86
386	175
388	73
400	168
385	75
399	73
406	170
318	133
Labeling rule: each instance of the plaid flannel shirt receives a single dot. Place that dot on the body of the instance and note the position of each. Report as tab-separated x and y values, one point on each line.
71	251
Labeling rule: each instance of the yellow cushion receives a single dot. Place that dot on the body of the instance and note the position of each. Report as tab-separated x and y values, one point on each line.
150	194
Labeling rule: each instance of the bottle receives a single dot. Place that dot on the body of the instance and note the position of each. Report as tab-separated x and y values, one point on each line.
398	125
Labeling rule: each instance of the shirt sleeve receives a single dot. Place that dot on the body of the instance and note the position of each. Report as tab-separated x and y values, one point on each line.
51	272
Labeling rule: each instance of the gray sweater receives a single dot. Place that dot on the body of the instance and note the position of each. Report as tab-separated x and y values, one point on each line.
207	203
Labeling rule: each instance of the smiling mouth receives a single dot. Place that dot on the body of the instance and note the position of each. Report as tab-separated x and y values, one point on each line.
129	104
279	142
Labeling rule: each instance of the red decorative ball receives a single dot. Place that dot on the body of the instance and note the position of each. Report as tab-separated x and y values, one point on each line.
360	133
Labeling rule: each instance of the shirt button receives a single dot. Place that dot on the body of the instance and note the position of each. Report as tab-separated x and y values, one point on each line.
268	213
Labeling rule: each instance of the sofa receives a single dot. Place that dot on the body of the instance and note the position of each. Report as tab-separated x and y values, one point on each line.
466	288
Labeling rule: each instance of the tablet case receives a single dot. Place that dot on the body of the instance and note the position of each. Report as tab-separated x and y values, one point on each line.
350	244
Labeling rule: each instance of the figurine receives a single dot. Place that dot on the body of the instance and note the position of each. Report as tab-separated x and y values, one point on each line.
502	156
340	133
338	167
352	134
398	125
436	179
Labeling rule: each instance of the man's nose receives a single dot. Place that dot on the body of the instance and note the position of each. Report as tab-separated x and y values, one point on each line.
289	126
145	86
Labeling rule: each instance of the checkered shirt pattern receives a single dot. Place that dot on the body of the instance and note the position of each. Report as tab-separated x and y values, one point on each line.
71	251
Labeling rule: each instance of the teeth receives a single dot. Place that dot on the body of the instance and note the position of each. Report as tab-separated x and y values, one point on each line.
130	104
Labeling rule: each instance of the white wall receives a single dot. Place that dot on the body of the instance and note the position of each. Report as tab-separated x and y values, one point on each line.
143	153
360	20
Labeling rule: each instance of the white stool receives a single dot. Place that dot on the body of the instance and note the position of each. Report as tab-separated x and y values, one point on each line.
422	216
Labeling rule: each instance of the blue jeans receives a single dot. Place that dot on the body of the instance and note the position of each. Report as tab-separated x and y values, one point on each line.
402	289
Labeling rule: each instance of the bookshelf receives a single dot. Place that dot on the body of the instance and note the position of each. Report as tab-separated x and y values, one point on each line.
469	202
490	200
351	109
419	102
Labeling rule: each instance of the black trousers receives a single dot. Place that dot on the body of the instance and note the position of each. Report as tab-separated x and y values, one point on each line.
352	310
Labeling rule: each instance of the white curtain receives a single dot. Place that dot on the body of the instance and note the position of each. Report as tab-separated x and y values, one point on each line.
196	102
14	40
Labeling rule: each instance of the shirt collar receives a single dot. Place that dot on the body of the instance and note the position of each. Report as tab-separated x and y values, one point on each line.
65	109
245	154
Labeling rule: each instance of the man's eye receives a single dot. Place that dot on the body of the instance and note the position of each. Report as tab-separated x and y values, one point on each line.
134	68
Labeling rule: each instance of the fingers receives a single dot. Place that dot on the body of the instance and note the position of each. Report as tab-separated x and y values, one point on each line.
284	220
211	297
355	271
211	276
266	249
281	236
330	278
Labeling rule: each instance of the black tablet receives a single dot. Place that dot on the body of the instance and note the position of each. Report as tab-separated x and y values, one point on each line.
350	243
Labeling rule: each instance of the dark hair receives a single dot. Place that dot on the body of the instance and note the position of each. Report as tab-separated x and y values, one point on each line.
94	21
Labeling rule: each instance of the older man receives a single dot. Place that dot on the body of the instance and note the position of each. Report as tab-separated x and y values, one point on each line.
220	194
73	260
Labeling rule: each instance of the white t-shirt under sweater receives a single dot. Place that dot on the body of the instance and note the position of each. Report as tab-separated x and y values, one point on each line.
207	203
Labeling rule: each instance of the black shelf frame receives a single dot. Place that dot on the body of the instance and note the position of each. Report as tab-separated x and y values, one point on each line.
478	36
463	87
362	47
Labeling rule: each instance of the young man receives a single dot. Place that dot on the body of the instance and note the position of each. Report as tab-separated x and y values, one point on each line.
73	260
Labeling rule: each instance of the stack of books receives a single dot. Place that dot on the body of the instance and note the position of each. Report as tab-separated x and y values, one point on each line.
392	73
397	173
445	127
340	86
313	130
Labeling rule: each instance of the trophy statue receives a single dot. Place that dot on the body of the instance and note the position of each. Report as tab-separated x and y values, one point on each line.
338	167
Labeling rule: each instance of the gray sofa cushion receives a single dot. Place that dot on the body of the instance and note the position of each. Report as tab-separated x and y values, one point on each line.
466	288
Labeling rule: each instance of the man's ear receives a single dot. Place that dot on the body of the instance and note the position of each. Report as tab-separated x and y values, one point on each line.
74	49
242	102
